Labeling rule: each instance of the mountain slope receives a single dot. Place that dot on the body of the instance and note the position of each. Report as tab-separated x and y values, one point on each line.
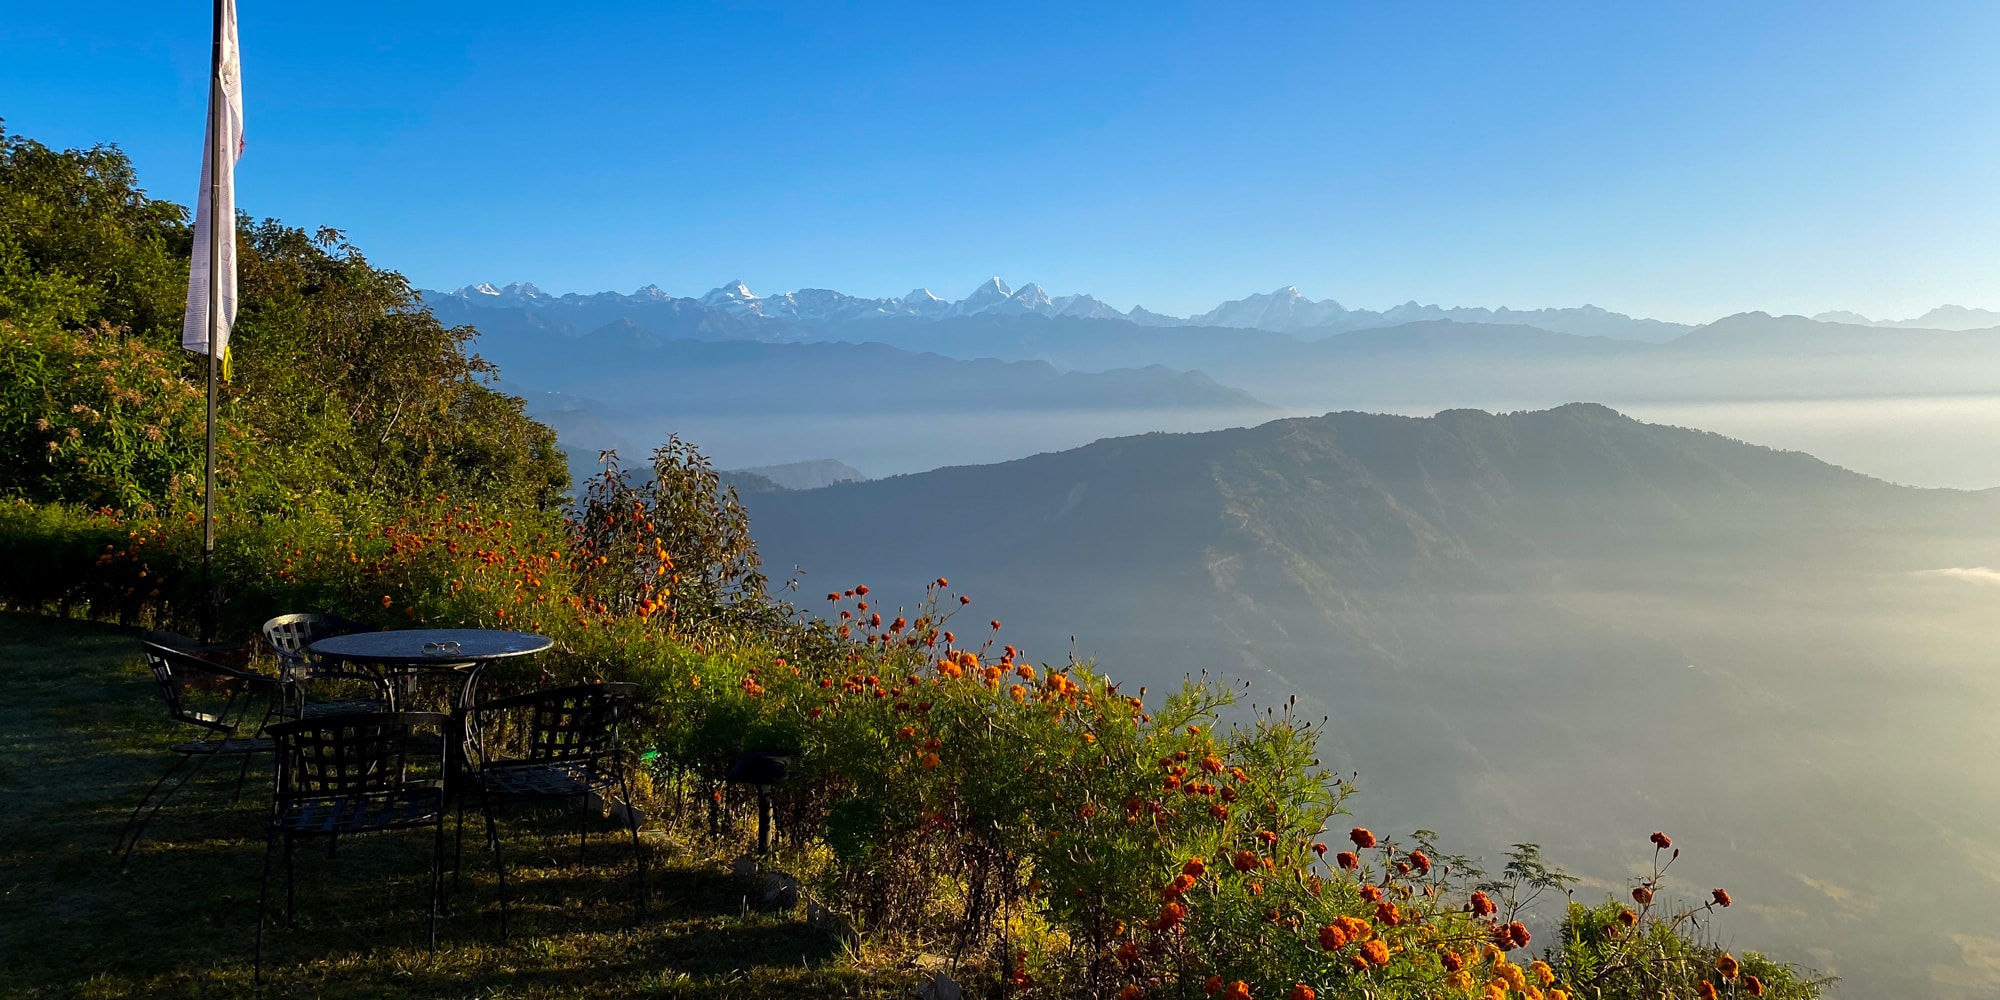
1563	626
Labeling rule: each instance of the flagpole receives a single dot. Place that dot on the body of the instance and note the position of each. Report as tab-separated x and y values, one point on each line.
216	152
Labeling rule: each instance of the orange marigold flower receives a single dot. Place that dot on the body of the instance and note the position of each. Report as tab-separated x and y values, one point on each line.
1238	990
1212	986
1362	838
1212	764
962	599
1483	905
929	760
1130	992
1371	893
1728	966
1180	885
1332	938
1171	915
1347	859
1517	932
1661	840
1753	986
862	590
1543	974
942	582
1219	811
1244	861
1386	913
907	732
1452	961
1627	917
1128	953
1358	961
1719	896
1194	868
1376	951
1301	991
1267	837
1705	990
1421	861
1319	849
1642	895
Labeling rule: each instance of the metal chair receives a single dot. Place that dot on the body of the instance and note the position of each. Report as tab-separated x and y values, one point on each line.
291	638
341	775
185	682
555	745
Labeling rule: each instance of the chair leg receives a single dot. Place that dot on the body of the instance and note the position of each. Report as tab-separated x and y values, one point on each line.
200	761
263	893
638	851
437	879
458	851
242	775
499	867
582	827
180	760
291	883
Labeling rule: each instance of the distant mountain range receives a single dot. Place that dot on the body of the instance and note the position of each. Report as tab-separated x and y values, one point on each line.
785	316
1942	318
1562	626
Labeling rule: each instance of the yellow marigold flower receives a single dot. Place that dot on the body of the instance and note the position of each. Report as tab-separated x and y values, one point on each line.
1495	990
1513	974
1460	980
1727	966
1543	973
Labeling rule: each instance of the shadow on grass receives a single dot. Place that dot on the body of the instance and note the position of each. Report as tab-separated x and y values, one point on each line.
82	735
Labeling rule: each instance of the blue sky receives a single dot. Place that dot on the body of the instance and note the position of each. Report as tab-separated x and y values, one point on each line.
1682	160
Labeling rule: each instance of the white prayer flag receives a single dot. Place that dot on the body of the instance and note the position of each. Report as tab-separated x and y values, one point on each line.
202	322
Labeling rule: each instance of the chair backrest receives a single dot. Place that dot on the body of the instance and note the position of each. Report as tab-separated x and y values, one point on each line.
574	723
292	636
357	754
182	676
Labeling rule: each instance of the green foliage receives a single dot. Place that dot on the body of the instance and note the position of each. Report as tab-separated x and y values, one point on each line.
81	243
348	394
1607	952
97	417
677	546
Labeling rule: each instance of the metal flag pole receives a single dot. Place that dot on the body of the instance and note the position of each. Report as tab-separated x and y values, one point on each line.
216	152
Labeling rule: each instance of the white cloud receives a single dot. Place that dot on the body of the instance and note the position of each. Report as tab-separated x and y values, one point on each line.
1982	575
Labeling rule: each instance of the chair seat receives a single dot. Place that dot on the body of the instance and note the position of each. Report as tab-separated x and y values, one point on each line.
343	814
348	706
550	780
234	746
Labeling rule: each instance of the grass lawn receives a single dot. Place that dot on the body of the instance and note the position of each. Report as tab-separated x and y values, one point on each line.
82	734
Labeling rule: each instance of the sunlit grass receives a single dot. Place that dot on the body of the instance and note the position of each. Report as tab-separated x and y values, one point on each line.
82	734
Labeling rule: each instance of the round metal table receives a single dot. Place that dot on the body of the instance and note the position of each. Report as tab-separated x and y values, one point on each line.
458	651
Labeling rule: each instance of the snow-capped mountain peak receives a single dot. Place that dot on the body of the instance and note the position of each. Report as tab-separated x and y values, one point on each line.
731	293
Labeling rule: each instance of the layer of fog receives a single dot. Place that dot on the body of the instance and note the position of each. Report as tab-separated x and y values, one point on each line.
1930	441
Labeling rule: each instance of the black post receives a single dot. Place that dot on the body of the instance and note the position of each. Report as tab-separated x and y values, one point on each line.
215	154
